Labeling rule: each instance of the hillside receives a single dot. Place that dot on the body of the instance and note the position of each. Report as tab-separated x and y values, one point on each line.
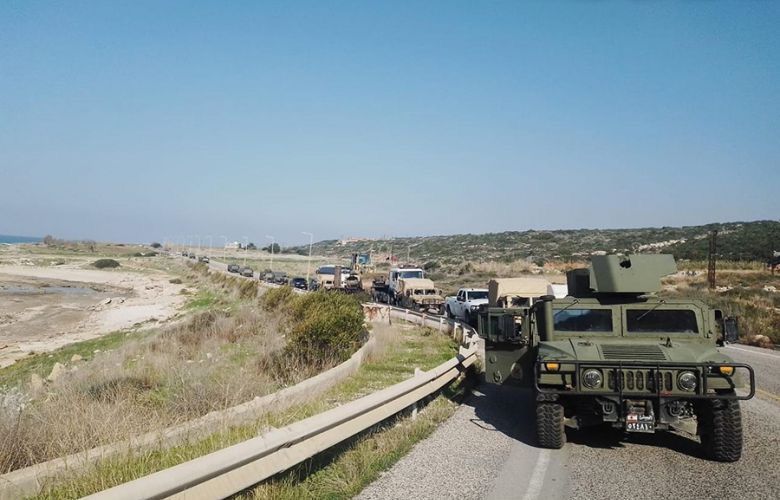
736	241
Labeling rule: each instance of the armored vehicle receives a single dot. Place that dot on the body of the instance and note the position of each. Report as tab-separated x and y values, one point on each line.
614	353
420	294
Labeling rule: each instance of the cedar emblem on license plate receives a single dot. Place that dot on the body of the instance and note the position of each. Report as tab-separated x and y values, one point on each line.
640	423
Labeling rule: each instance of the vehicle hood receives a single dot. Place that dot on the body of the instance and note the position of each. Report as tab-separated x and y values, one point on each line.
633	350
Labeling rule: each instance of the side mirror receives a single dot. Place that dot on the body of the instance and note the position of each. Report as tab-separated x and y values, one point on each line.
730	329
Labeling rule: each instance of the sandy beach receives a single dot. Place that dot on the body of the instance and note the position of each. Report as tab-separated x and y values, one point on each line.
43	308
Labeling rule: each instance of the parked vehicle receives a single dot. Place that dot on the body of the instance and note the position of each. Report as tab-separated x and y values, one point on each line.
280	278
420	294
299	283
233	268
614	353
247	272
333	276
387	289
204	259
466	304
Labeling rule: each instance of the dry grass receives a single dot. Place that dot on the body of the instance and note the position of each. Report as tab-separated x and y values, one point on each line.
398	351
213	361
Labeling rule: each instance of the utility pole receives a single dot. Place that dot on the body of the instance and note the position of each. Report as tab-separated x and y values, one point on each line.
273	240
224	248
308	264
712	257
246	248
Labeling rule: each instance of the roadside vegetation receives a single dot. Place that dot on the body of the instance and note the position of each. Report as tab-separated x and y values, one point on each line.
105	263
226	350
744	241
750	293
393	360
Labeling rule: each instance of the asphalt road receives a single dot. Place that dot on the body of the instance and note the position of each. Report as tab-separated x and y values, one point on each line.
487	451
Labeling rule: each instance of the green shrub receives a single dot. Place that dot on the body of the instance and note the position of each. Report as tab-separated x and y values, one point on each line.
326	327
105	263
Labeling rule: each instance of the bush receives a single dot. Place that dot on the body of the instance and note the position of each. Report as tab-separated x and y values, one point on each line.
325	327
145	254
105	263
175	281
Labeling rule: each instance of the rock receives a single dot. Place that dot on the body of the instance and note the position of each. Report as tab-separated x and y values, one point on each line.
121	300
75	358
770	288
209	355
56	372
107	301
36	382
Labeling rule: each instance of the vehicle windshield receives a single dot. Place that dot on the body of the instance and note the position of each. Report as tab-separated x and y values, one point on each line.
410	274
477	295
425	292
326	270
583	320
661	320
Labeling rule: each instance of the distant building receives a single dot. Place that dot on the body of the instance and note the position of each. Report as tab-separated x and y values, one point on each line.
233	245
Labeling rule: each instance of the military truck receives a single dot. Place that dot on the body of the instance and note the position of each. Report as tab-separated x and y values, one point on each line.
614	353
420	294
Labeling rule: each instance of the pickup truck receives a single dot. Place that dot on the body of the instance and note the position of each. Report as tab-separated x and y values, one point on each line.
465	305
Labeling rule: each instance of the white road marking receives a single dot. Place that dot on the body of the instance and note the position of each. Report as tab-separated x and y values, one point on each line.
775	356
537	476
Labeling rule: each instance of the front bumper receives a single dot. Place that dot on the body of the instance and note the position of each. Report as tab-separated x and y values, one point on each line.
659	379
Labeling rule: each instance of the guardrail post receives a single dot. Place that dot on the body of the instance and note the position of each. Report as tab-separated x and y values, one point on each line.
415	407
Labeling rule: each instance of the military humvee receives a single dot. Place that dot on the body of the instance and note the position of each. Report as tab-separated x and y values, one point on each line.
614	353
420	294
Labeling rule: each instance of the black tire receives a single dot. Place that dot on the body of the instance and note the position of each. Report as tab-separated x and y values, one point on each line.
550	431
449	313
720	429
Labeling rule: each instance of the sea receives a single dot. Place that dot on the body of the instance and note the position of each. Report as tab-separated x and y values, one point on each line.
6	238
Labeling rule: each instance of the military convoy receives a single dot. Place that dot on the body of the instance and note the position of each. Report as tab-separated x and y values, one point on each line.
407	286
614	353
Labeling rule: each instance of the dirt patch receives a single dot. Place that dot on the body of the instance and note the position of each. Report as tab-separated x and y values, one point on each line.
43	308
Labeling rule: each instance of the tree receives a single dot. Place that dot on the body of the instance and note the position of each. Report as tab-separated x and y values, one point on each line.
275	248
251	246
48	240
156	245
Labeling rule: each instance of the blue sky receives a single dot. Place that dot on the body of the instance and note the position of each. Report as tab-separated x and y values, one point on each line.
139	120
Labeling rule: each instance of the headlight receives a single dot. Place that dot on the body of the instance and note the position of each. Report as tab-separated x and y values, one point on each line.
687	381
592	379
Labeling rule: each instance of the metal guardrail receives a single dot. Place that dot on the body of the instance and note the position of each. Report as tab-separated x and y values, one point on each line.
238	467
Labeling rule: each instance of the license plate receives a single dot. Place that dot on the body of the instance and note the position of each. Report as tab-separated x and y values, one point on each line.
640	423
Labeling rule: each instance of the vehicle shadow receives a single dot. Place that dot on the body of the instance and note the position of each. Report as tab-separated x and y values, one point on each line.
511	411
